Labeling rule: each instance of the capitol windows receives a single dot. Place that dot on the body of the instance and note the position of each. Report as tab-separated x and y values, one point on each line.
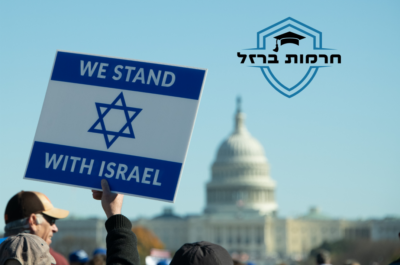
225	196
214	196
259	195
238	238
247	233
260	236
230	196
221	196
228	234
218	235
270	195
209	196
230	239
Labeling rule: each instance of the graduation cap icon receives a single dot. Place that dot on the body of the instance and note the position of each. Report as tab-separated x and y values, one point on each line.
288	37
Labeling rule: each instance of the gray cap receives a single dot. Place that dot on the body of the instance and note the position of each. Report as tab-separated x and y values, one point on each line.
28	249
200	253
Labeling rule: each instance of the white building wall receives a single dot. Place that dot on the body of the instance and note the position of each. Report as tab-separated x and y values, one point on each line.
385	229
91	232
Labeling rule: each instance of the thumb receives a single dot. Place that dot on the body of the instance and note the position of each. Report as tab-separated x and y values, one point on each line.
105	186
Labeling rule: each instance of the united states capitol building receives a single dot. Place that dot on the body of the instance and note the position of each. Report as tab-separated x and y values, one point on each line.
241	210
240	213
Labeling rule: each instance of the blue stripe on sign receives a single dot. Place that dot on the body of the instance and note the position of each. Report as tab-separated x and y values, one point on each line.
130	75
85	167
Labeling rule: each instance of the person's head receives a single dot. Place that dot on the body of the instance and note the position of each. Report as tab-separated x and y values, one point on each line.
201	253
323	257
32	212
25	249
78	257
99	259
351	262
100	251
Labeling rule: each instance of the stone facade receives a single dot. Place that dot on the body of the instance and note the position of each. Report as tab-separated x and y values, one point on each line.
74	233
241	211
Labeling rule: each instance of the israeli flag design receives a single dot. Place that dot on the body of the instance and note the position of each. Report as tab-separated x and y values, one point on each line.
124	120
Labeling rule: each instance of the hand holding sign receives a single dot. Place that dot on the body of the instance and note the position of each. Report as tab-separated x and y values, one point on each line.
111	202
125	121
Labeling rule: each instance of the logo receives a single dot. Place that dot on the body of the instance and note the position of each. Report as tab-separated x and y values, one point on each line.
289	55
115	120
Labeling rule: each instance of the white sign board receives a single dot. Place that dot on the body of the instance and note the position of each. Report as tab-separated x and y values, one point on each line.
124	120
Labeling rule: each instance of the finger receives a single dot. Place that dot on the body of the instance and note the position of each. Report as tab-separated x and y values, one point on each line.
96	197
105	186
97	194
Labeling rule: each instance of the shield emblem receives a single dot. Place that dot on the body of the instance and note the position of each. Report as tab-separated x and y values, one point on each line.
274	39
293	90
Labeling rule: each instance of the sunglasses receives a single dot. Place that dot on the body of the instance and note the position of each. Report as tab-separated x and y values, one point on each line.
49	219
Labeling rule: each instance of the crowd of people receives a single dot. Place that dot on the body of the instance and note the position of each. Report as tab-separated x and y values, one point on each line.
31	218
80	257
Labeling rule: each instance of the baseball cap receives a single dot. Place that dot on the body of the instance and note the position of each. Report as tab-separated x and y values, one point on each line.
26	248
24	203
201	253
78	256
99	251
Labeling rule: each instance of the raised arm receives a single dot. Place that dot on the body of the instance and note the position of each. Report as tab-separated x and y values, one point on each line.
121	241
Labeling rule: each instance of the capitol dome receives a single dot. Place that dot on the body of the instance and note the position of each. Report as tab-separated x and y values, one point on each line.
240	146
240	175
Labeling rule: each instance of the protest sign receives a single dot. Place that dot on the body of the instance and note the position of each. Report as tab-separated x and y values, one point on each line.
124	120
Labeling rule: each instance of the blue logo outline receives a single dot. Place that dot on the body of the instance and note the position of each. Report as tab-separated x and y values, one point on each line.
266	70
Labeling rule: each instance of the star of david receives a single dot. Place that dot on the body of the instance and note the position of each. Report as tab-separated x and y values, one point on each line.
126	131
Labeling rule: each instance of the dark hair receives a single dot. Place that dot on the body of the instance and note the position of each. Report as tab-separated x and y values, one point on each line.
201	253
98	260
323	257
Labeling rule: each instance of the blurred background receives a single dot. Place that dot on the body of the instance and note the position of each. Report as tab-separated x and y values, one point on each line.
332	150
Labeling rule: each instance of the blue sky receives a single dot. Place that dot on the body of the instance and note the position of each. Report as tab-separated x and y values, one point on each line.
335	145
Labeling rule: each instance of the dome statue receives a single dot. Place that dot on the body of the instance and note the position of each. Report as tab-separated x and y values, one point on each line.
240	175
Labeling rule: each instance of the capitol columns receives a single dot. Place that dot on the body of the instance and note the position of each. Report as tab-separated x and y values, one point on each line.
269	235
